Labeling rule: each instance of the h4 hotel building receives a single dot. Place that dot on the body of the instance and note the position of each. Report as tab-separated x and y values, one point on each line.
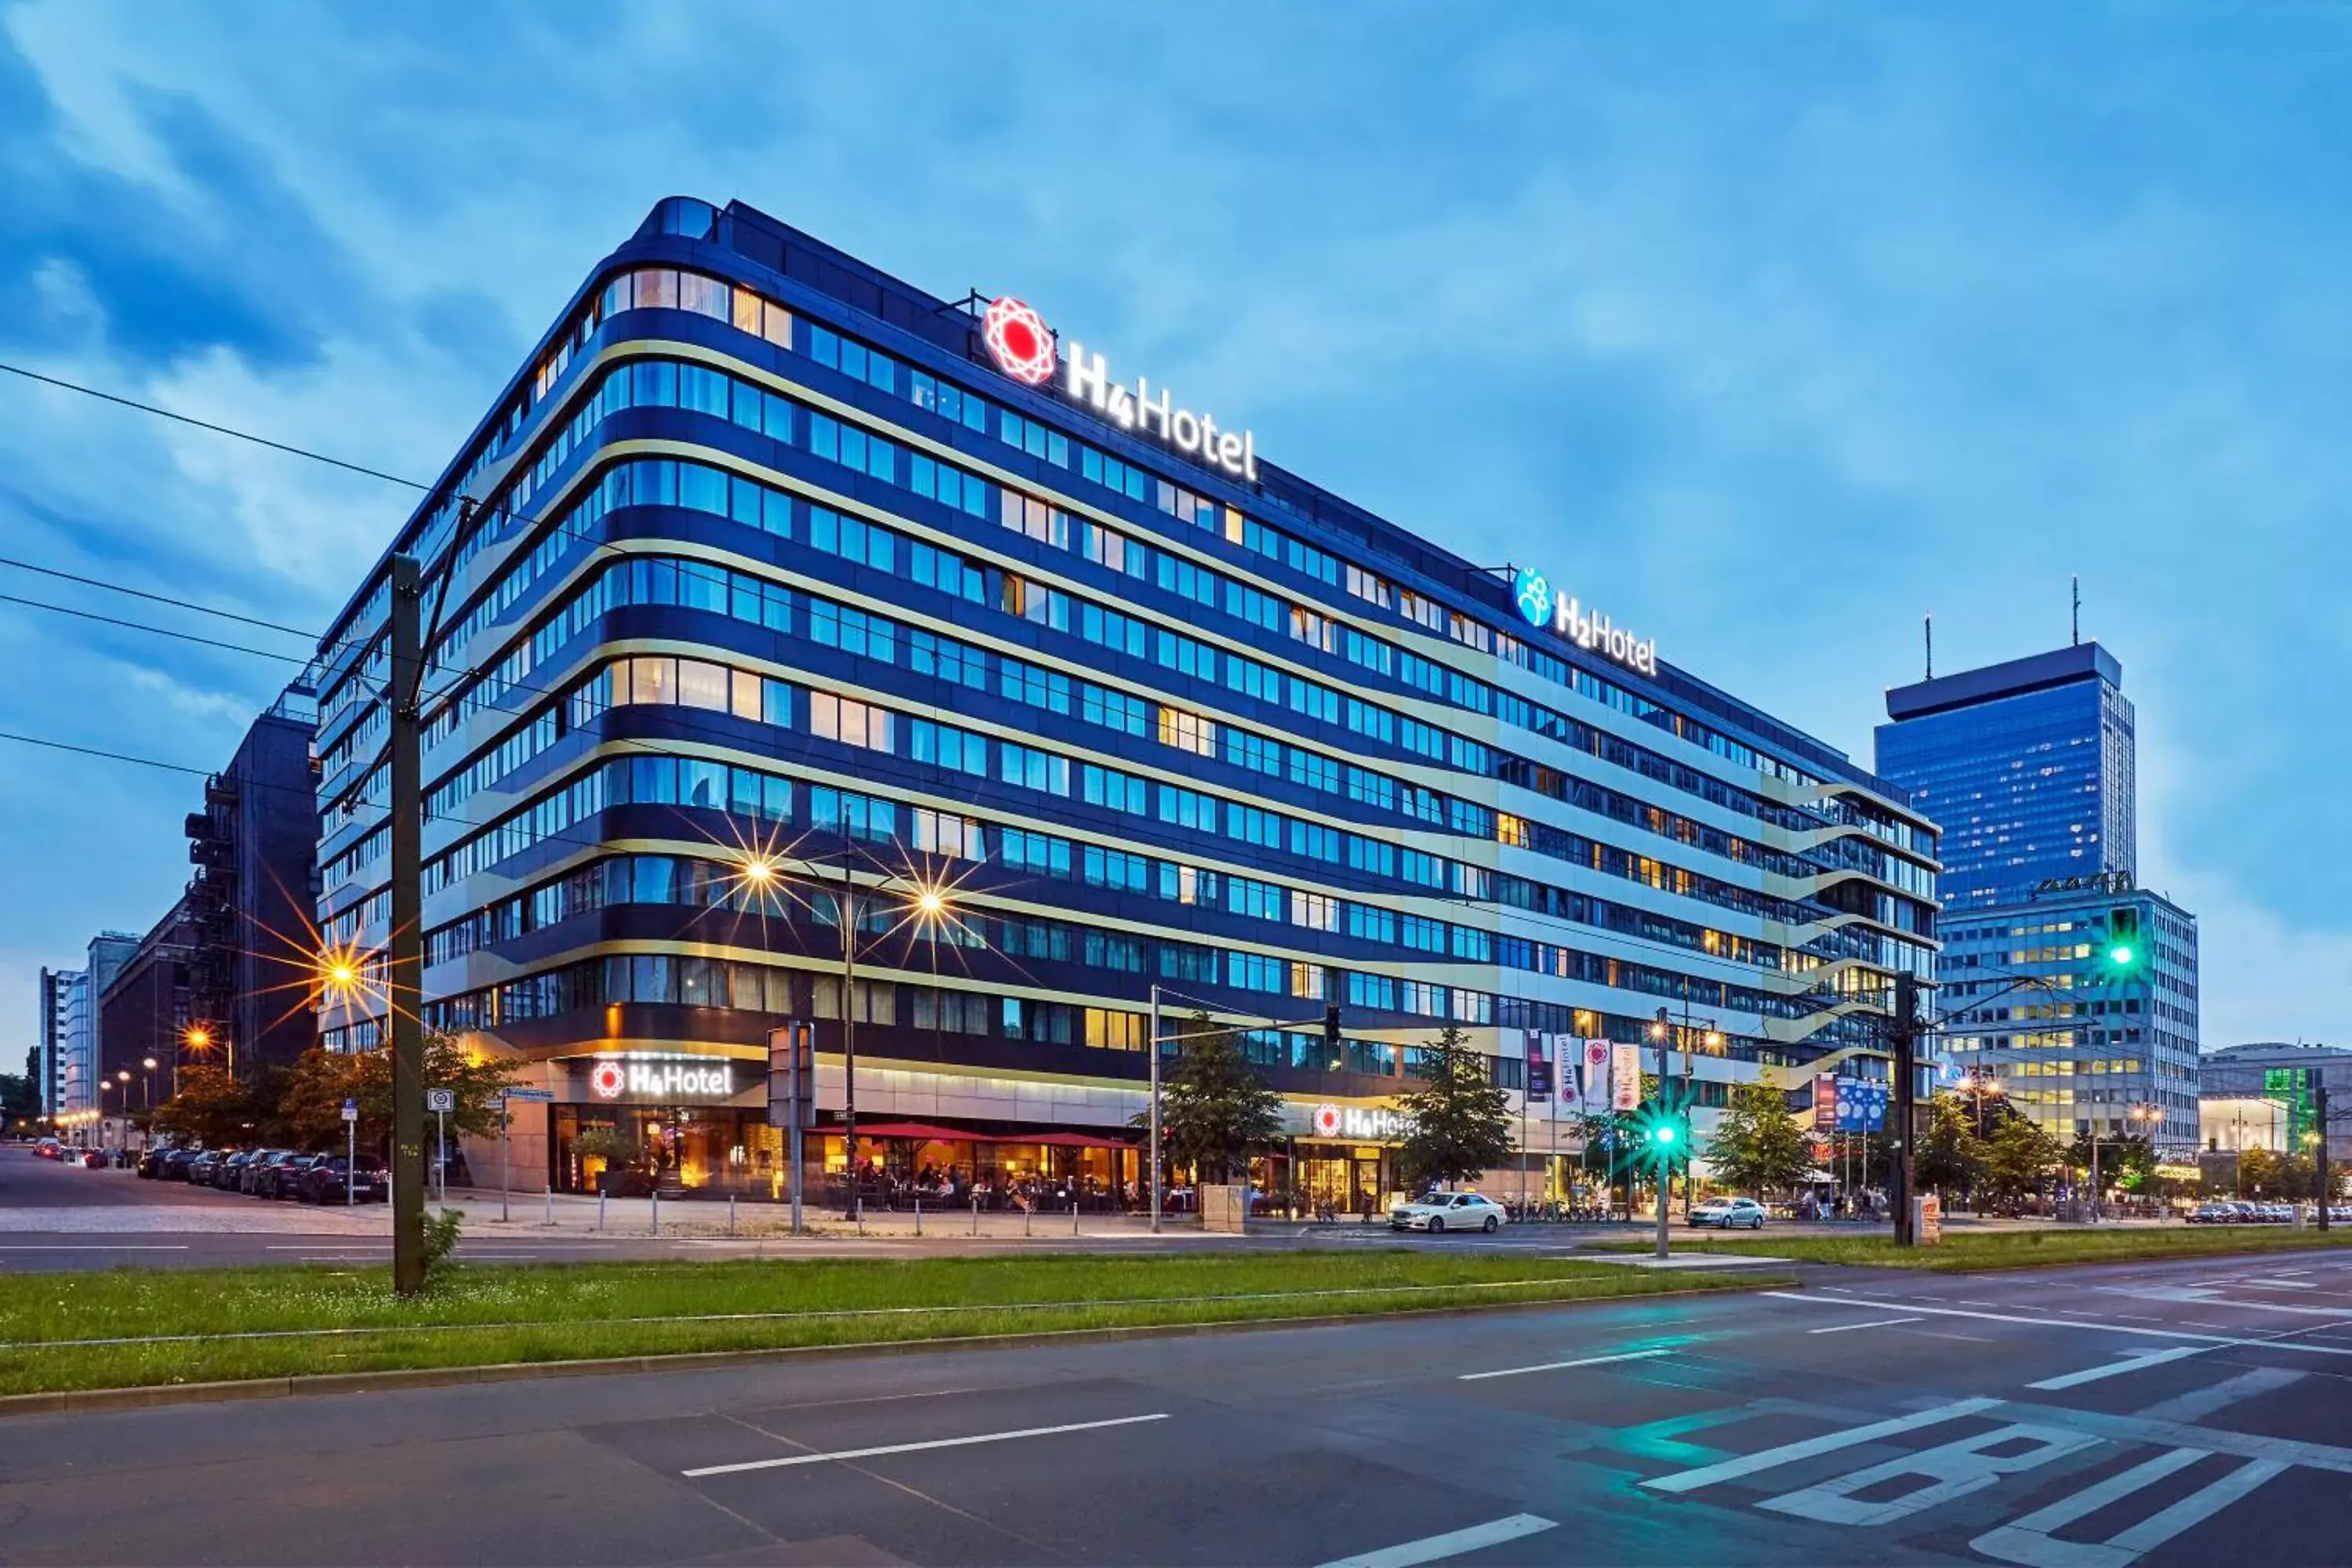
787	578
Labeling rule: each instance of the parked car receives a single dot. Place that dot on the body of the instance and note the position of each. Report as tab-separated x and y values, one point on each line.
199	1170
321	1181
1729	1214
249	1173
278	1173
176	1162
150	1163
1448	1211
48	1149
93	1159
229	1175
2214	1214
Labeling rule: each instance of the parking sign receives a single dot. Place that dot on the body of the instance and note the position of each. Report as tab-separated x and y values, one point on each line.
440	1100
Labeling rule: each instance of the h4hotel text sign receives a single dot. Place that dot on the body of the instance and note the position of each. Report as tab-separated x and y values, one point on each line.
1024	348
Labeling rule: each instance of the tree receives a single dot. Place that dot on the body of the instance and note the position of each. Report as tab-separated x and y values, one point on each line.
20	1098
1951	1154
309	1111
1460	1122
1757	1146
2019	1157
1213	1108
211	1108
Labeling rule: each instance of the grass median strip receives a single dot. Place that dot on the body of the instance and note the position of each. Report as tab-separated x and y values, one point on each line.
136	1328
1962	1251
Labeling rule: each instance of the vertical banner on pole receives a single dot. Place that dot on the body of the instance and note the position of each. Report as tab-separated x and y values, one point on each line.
1825	1104
1624	1076
1596	1056
1538	1070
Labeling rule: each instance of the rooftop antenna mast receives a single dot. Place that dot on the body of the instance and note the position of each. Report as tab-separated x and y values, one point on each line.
1930	629
2078	611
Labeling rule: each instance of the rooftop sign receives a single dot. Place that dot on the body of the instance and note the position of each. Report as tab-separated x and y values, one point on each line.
1023	347
1593	631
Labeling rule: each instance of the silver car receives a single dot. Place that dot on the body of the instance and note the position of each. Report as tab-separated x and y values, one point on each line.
1449	1211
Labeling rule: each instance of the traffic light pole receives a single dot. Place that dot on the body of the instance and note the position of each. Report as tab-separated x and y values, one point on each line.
1905	1031
403	992
1665	1156
2325	1186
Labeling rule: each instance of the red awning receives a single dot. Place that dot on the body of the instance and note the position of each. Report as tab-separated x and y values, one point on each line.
928	1133
921	1132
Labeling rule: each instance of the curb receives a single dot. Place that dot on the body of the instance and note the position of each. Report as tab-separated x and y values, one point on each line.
146	1396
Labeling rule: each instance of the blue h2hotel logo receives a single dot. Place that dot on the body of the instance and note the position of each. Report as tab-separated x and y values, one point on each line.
1533	595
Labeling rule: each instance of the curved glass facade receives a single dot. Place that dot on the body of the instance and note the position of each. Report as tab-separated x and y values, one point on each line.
779	584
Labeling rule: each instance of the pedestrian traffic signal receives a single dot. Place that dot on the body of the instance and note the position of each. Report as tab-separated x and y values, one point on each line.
1665	1134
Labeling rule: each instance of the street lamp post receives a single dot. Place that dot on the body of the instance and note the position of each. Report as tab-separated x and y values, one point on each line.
147	1088
1153	1046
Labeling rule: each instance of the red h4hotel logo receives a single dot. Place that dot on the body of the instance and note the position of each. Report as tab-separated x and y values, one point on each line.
1018	341
607	1079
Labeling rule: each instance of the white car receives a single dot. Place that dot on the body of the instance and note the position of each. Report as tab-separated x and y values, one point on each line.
1729	1214
1449	1211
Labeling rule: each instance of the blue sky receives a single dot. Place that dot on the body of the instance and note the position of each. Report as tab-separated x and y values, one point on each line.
1770	329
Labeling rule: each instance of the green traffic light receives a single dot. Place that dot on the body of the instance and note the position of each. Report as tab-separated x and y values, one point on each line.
2121	955
1663	1134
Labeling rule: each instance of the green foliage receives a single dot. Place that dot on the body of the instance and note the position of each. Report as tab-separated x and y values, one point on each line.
1757	1146
20	1098
1461	1123
2021	1158
307	1108
440	1241
603	1144
1951	1156
1215	1109
211	1108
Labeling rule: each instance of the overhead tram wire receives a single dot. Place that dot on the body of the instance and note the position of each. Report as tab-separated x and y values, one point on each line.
158	631
311	638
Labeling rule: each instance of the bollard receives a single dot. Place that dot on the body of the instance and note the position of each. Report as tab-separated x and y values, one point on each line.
656	1211
730	1214
975	1214
550	1212
600	1214
1027	1213
918	1216
1074	1216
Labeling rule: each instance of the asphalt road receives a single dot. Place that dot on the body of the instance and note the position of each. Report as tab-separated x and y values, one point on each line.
2183	1413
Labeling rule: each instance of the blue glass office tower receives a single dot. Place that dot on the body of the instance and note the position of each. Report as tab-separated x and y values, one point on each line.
786	573
2027	767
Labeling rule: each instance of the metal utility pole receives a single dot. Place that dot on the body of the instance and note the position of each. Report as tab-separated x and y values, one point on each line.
1905	1035
2319	1118
1154	1048
849	1038
1665	1158
405	993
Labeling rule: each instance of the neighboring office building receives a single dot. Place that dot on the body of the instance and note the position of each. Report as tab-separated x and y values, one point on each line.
787	562
2100	1039
56	1004
144	1015
2254	1096
254	847
2028	767
69	1009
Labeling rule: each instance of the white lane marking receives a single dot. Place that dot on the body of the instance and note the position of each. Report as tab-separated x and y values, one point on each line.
1829	1442
2280	1284
2132	1362
2028	1540
1453	1543
1558	1365
2199	1403
2258	1342
2128	1546
791	1459
89	1247
1874	1323
1945	1474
